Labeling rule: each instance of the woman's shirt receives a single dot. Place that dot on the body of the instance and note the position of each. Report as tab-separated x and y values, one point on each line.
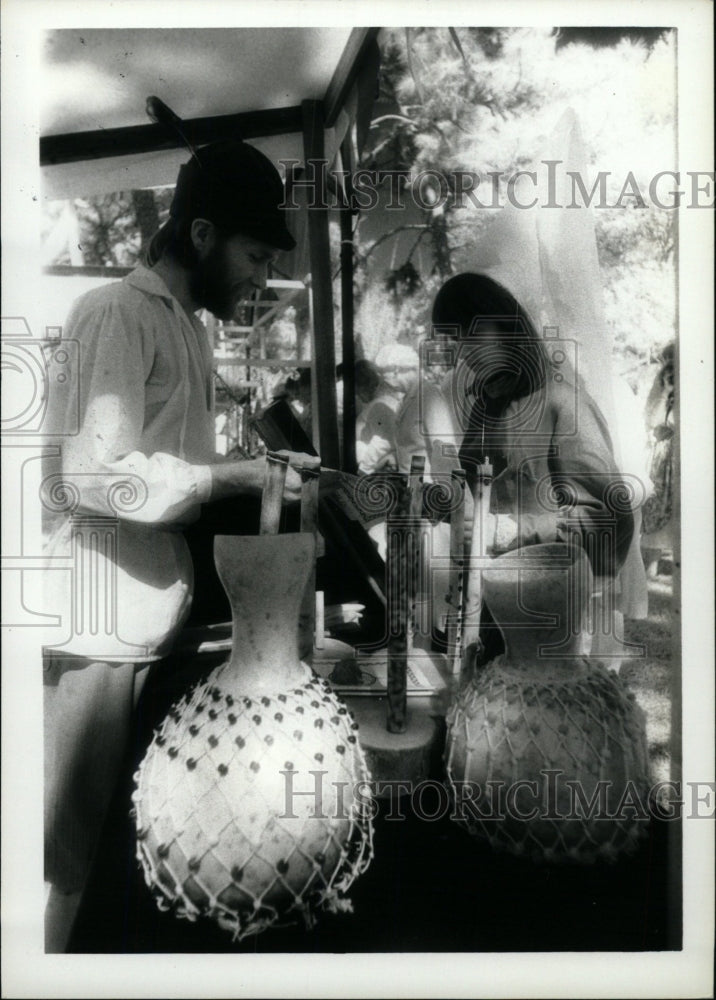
555	474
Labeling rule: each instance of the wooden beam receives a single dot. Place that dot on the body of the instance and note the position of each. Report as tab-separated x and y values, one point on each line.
322	331
359	42
233	362
347	332
86	271
76	146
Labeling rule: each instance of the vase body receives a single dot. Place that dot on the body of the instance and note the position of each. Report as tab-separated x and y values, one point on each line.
546	750
245	804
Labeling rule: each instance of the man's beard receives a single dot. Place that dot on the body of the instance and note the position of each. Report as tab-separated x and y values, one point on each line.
210	284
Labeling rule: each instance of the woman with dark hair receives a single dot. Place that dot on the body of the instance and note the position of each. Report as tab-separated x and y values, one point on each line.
519	401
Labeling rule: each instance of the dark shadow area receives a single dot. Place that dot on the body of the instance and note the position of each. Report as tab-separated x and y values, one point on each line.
430	887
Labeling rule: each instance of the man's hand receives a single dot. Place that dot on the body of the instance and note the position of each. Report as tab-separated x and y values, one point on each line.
297	461
246	477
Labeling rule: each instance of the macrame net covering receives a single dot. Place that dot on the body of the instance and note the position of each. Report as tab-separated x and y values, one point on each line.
574	719
219	832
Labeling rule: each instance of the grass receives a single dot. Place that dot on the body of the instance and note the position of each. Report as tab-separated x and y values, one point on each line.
652	676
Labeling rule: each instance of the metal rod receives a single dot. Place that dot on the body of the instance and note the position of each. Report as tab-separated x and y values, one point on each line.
414	549
310	621
347	331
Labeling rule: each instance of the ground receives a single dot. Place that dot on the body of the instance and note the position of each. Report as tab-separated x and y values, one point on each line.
651	676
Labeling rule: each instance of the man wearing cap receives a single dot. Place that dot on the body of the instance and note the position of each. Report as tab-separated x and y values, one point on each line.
145	456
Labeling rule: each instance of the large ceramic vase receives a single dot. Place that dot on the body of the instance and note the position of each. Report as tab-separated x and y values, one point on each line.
546	750
224	825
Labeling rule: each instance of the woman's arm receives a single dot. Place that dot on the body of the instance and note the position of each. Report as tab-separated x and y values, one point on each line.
580	495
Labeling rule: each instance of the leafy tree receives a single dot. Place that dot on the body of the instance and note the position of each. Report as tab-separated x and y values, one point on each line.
480	101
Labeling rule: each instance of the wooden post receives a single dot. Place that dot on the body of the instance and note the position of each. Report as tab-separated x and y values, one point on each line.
473	591
347	332
457	573
310	628
322	331
398	612
404	553
675	829
417	563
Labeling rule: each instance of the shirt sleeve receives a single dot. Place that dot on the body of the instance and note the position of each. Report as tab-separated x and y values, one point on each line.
103	465
586	501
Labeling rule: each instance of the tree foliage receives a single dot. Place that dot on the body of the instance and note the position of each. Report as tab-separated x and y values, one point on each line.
481	100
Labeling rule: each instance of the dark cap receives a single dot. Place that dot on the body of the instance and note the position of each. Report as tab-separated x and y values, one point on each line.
238	189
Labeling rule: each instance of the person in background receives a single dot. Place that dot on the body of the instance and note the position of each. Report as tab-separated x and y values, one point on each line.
377	401
657	512
411	417
143	396
368	383
297	392
423	423
406	417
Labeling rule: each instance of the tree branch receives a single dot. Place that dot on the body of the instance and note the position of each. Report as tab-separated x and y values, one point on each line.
395	118
394	232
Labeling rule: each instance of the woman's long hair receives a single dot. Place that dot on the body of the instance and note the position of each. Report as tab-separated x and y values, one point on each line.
469	306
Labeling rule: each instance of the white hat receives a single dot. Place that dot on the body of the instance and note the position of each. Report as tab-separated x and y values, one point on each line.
397	356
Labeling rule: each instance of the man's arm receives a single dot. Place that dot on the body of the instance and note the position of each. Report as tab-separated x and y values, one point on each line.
230	479
109	394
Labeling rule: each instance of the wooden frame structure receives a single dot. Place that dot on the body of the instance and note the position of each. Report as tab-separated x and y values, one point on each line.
311	118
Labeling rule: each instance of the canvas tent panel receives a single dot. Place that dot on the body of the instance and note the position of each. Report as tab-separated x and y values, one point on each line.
100	79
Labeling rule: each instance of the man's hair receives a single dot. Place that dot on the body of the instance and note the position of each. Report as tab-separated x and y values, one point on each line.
174	240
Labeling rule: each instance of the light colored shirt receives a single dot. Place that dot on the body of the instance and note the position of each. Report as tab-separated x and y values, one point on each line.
142	394
375	433
425	426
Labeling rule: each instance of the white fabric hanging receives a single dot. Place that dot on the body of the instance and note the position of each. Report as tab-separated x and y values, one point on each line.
546	256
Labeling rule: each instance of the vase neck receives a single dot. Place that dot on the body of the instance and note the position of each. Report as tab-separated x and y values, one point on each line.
264	577
539	597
